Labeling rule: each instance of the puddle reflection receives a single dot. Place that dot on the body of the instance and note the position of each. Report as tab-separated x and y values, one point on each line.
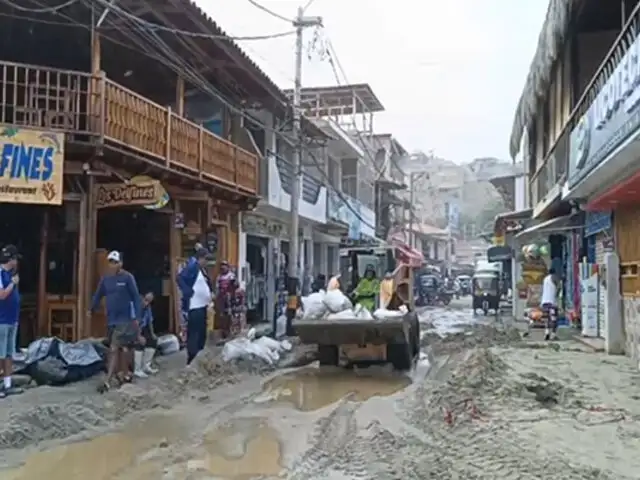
312	388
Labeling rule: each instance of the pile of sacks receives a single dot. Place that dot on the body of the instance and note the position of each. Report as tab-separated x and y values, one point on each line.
248	347
335	305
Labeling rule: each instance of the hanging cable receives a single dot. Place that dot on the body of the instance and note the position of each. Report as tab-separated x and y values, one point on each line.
270	12
54	9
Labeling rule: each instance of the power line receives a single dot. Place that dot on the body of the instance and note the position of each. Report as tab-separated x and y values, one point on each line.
54	9
270	12
176	63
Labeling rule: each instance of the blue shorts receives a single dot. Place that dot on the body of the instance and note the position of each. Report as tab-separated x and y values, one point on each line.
8	336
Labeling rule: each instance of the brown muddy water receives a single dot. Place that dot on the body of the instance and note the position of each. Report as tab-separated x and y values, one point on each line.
179	444
310	389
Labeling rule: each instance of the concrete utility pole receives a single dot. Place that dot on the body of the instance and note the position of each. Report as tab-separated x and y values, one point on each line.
413	176
300	23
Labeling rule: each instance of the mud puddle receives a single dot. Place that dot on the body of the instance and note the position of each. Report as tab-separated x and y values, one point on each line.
310	389
115	455
243	449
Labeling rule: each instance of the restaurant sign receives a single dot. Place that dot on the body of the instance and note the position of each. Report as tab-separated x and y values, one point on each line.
144	192
31	166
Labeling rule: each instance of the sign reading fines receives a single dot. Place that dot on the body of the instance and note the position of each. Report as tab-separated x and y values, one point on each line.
31	166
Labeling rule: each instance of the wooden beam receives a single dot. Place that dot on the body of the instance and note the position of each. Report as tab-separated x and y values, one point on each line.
180	96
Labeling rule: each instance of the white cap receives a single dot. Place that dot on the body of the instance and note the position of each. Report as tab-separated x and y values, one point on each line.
114	256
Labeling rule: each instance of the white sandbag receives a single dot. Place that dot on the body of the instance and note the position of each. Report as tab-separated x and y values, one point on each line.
313	306
383	313
251	334
362	313
336	301
270	343
168	344
237	348
344	315
286	345
263	352
281	326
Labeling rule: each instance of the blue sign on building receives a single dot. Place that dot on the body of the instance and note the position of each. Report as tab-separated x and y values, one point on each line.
596	222
611	119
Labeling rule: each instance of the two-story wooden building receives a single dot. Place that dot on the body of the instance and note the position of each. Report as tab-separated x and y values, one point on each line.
577	123
121	128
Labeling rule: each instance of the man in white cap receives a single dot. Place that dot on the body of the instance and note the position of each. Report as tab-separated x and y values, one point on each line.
120	291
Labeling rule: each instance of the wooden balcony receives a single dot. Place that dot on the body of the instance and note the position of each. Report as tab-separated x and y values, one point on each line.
95	109
553	169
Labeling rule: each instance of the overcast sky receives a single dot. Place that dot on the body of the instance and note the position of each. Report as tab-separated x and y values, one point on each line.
449	72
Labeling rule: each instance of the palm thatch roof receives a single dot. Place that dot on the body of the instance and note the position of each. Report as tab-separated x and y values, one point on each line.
550	42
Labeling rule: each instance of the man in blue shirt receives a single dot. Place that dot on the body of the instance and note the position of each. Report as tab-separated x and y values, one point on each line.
9	315
120	291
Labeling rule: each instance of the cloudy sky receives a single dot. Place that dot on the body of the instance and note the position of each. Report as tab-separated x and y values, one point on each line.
449	72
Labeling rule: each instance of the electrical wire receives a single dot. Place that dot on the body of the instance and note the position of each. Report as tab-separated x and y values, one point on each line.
309	3
54	9
176	63
270	12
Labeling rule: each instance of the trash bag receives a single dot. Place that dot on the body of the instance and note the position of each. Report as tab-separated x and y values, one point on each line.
334	283
281	326
336	301
313	306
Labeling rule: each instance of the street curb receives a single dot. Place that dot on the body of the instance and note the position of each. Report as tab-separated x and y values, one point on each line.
589	342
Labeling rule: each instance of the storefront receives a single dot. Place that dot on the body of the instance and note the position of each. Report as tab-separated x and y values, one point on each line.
558	243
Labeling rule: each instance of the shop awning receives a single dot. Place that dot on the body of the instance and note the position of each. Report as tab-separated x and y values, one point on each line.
555	225
409	255
513	219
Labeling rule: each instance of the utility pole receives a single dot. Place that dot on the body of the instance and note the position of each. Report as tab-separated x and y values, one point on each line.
300	23
413	176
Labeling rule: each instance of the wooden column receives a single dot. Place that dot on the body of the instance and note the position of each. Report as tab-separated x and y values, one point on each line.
180	96
42	329
175	249
89	253
96	59
82	262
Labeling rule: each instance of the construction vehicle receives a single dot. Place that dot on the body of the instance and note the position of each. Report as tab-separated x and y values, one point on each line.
361	342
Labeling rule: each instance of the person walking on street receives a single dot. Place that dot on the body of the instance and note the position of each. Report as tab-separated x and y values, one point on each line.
549	303
9	315
120	290
195	288
145	352
225	290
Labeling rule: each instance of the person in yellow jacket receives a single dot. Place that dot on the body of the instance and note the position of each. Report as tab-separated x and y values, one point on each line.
367	289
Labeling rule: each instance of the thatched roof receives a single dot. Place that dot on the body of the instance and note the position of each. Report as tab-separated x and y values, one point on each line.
550	42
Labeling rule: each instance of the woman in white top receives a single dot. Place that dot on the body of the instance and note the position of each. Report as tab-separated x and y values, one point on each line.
549	303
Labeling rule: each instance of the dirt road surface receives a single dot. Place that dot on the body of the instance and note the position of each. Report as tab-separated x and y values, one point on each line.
481	403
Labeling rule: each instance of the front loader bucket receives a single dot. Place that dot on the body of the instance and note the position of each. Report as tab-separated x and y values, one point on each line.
353	331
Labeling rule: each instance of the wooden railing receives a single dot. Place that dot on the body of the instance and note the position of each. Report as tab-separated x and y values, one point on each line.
94	108
555	165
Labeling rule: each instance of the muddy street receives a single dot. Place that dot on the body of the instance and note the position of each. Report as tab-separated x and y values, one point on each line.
480	403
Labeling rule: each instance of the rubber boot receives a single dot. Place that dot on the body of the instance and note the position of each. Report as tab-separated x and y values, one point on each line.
147	359
138	364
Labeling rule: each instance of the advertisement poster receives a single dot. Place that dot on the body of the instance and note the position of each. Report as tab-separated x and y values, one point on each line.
589	305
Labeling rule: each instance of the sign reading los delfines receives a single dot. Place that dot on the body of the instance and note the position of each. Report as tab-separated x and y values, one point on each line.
31	166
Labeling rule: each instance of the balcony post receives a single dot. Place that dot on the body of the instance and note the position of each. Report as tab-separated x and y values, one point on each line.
180	96
168	135
200	150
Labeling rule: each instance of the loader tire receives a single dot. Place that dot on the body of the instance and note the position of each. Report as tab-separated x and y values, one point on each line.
399	355
328	355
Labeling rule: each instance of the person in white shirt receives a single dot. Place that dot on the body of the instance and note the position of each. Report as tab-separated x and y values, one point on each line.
195	287
549	303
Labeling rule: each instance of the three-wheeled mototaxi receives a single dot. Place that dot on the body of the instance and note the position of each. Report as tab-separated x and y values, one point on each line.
486	292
